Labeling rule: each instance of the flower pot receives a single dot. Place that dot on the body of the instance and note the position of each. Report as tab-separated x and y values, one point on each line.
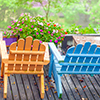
9	40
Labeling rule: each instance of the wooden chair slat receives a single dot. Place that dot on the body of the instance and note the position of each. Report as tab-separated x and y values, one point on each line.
42	48
12	47
35	45
27	47
20	47
35	48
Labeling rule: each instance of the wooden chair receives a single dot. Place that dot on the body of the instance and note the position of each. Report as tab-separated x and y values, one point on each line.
78	60
27	58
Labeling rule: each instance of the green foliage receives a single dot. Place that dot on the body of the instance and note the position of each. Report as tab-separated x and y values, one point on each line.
37	27
79	30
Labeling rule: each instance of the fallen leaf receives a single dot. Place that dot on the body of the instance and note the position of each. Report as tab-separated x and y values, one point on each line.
84	86
15	95
81	80
27	87
55	91
49	95
46	76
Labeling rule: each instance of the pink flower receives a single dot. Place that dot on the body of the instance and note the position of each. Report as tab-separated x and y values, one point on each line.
9	27
32	26
12	23
22	22
56	41
26	25
26	19
31	20
41	33
21	14
50	40
41	30
20	29
19	22
14	33
4	32
59	37
40	41
49	32
37	33
33	35
15	27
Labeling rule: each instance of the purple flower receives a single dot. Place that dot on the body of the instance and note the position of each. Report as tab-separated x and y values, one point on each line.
50	40
41	30
22	22
49	32
37	33
20	29
56	41
15	27
9	27
40	41
32	26
33	35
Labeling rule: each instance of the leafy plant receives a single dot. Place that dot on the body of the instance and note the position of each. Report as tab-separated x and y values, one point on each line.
37	27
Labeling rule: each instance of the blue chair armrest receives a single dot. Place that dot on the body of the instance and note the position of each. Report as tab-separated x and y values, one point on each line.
55	52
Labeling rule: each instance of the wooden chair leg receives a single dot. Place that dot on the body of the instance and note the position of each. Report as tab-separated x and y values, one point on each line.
42	86
5	85
57	79
2	69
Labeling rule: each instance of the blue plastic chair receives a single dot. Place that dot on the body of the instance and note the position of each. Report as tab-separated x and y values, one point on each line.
78	60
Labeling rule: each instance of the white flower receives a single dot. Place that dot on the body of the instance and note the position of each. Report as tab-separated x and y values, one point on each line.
18	24
76	28
16	20
35	28
40	24
56	31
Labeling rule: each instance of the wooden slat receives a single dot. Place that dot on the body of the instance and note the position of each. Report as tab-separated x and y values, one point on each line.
27	87
27	48
35	45
46	56
20	87
27	52
35	48
23	72
25	62
20	47
3	50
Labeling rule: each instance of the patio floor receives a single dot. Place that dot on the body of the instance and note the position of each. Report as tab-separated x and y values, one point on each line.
75	87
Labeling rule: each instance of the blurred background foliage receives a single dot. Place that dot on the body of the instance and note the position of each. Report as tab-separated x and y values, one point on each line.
71	14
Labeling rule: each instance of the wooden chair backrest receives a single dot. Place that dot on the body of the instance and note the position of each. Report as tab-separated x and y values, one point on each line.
27	55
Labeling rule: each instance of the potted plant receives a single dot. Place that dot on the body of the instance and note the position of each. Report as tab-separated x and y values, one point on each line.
38	28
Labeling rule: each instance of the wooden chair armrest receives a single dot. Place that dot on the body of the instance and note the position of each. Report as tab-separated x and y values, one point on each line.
3	50
55	52
46	56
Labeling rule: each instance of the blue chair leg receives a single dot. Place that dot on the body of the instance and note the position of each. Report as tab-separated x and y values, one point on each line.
57	79
51	65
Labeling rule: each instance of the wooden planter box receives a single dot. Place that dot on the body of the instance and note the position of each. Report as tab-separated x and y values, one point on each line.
9	40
